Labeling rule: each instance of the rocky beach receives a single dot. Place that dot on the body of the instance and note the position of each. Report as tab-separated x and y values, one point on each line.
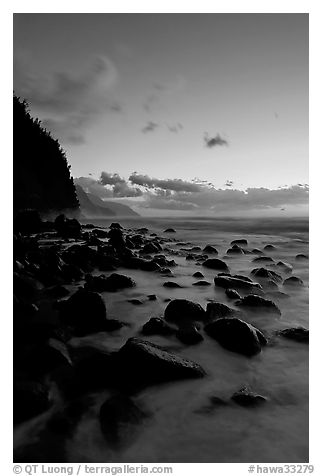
147	343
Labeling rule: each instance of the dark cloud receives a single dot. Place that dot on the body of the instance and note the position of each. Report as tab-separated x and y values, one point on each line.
108	186
150	127
167	184
175	128
68	104
214	141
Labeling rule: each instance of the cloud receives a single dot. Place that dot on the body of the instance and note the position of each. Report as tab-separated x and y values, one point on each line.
110	179
177	185
150	127
201	197
229	183
108	185
65	103
214	141
175	128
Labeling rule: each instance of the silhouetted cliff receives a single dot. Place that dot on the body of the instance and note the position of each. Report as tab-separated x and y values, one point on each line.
41	176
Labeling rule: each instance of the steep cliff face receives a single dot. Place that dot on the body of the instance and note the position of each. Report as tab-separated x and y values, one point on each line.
41	175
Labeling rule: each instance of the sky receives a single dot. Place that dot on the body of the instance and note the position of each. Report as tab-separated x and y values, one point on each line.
189	113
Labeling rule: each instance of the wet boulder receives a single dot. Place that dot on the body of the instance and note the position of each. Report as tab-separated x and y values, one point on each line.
240	242
198	274
141	362
235	250
301	257
85	311
111	283
269	248
214	263
256	251
152	297
116	225
232	294
156	326
230	282
120	420
180	311
298	334
247	398
284	267
263	274
293	281
189	335
67	227
171	284
116	238
201	283
135	302
152	247
236	335
169	230
217	310
210	250
254	302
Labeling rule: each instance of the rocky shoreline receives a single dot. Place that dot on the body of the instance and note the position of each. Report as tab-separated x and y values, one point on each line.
58	295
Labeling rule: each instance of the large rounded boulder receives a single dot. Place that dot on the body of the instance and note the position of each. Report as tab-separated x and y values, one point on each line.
236	335
230	282
215	263
85	311
180	311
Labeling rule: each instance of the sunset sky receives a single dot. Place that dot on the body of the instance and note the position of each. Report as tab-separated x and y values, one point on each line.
201	106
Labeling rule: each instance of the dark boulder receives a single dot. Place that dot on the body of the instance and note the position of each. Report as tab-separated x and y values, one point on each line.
67	227
120	420
156	326
136	302
169	230
189	335
242	241
85	311
201	283
198	274
254	302
142	362
211	250
263	274
232	294
116	225
214	263
116	238
299	334
217	310
236	335
152	247
293	281
256	251
152	297
247	398
181	311
269	248
235	250
282	266
230	282
301	257
111	283
171	284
